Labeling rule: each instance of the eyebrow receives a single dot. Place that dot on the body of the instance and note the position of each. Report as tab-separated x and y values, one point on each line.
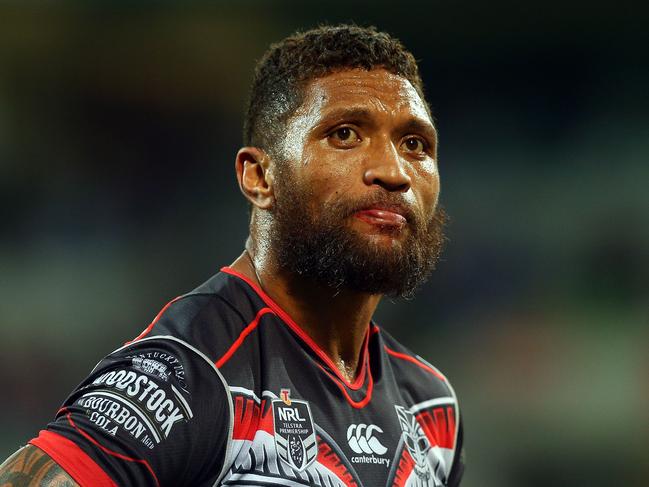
347	113
419	126
359	114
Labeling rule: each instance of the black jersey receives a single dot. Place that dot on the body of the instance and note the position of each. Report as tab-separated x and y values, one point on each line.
224	388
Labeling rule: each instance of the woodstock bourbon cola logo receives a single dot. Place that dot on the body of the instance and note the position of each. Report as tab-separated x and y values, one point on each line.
294	432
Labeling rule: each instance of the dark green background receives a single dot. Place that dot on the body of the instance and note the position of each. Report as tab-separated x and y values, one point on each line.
119	123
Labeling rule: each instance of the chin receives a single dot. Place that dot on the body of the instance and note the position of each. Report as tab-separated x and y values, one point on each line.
383	236
380	245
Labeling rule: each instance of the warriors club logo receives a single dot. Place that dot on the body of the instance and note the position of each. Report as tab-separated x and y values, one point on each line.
294	432
417	445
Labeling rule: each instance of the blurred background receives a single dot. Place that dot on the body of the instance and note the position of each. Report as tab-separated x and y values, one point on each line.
118	129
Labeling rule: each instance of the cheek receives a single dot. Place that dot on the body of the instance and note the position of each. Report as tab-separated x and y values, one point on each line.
429	167
427	184
331	174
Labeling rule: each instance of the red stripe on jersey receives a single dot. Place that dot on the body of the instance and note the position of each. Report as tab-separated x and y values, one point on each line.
148	329
250	417
368	395
237	343
329	458
360	380
439	426
112	453
409	358
73	460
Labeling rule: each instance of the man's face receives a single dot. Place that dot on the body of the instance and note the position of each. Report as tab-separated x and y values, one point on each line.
357	186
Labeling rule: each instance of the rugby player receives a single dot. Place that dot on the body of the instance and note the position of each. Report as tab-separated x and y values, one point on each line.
272	372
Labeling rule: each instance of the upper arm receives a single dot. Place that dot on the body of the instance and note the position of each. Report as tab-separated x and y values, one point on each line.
31	466
153	413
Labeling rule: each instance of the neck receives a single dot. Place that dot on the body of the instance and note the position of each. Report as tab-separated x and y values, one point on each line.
336	320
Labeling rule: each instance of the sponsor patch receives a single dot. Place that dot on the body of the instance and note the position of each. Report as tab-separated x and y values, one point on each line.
112	412
151	367
295	438
364	440
160	364
134	402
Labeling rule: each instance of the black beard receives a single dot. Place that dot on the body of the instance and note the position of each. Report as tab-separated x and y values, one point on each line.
325	249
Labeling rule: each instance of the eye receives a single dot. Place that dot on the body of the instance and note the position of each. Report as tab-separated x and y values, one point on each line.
414	145
344	136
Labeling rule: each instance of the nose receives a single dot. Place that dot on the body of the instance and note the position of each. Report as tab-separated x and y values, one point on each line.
386	170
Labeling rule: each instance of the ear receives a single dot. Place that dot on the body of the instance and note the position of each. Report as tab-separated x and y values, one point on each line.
255	177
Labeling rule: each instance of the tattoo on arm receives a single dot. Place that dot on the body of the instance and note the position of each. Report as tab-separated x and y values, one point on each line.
32	467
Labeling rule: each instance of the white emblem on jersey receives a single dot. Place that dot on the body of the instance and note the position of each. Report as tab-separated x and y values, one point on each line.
151	367
418	447
258	461
362	439
295	438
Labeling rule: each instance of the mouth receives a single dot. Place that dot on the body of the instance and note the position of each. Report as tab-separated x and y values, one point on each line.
383	216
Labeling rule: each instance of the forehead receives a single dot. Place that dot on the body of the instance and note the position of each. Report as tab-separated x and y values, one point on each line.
376	90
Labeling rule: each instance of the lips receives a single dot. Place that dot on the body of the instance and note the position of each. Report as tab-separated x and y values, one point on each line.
382	217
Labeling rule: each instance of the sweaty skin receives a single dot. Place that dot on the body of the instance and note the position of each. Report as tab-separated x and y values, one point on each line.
357	132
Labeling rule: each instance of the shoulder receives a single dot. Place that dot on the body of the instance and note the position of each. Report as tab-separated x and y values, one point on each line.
153	412
432	402
419	377
208	319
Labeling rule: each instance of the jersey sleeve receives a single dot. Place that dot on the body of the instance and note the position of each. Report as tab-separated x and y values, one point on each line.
153	413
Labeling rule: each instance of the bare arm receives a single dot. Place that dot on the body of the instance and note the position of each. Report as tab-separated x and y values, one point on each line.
32	467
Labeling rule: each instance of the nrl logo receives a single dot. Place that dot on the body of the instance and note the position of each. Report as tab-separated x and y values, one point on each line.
295	439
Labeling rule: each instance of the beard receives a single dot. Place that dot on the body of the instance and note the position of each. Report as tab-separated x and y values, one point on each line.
324	248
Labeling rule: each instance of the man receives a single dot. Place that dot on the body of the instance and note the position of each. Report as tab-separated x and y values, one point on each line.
272	372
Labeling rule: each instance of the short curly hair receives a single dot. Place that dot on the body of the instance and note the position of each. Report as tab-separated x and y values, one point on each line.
287	66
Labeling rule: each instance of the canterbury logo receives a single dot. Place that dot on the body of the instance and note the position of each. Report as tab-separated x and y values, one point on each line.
361	439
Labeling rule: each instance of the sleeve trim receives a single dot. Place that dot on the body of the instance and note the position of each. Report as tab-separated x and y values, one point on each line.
148	329
73	460
242	337
415	361
111	452
226	388
456	449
